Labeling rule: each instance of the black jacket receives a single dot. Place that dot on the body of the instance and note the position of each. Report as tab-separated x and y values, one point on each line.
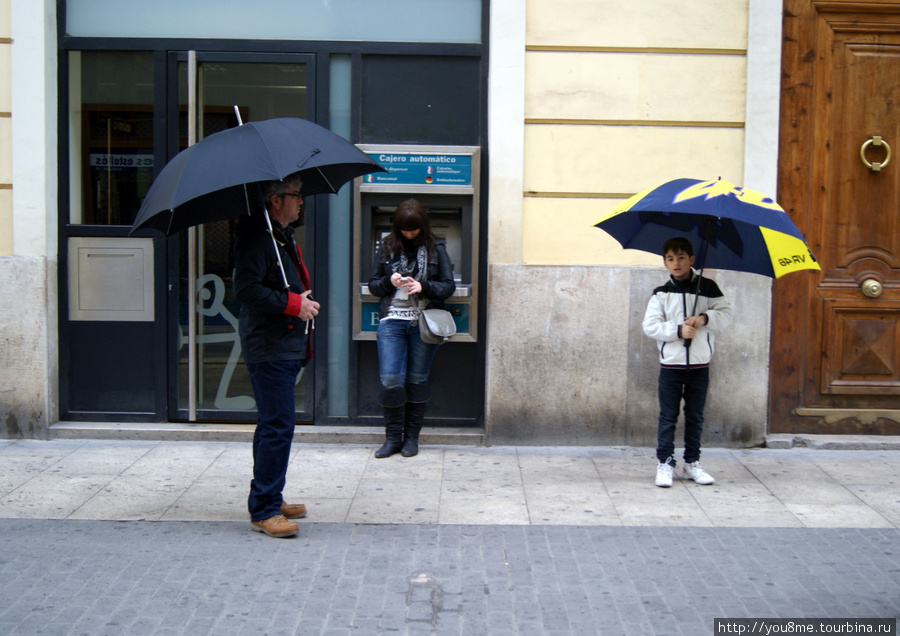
437	286
268	324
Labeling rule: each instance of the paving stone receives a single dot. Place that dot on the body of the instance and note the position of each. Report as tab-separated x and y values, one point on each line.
782	534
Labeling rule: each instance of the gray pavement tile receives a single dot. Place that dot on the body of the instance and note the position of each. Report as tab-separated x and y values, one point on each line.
858	515
483	509
518	541
182	460
208	499
395	500
51	496
132	480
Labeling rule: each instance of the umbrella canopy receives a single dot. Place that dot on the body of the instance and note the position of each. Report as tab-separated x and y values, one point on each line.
729	227
206	181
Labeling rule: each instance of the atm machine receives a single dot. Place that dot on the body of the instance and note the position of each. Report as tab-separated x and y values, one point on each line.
445	179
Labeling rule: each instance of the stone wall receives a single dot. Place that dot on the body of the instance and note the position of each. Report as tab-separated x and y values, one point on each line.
568	362
26	344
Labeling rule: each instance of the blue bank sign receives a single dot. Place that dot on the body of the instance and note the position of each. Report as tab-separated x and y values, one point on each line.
421	169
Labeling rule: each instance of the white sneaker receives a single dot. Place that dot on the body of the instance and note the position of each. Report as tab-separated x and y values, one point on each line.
695	471
664	475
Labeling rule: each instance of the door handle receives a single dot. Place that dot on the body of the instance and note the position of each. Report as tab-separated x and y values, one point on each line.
871	288
875	140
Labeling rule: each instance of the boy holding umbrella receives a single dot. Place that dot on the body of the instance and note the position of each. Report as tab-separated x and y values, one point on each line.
683	316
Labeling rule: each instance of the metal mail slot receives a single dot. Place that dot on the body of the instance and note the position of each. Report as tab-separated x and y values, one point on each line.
111	279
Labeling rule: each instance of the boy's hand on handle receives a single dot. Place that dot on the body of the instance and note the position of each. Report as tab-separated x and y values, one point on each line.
696	321
690	325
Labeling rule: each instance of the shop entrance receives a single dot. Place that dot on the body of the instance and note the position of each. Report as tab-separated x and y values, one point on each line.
150	326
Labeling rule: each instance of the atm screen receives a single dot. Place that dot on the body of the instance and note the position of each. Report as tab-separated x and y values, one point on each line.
446	223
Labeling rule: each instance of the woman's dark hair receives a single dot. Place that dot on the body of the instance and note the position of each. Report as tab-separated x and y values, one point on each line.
410	215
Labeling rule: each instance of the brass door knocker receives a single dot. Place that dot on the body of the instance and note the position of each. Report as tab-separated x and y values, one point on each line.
875	140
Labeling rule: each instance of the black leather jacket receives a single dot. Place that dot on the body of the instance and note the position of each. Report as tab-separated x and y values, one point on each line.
268	330
437	286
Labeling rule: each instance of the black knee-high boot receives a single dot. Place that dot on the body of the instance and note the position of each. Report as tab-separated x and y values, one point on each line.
415	415
393	430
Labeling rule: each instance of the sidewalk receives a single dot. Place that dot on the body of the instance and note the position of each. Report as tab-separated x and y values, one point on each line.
467	541
595	486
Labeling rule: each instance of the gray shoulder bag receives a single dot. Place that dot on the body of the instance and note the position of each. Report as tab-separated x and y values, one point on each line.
436	326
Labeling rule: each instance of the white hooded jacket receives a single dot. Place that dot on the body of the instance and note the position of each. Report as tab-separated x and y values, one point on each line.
666	312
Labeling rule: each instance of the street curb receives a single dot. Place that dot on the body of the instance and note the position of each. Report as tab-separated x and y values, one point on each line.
372	435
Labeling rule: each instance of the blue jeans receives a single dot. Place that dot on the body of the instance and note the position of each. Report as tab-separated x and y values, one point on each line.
273	387
404	362
675	385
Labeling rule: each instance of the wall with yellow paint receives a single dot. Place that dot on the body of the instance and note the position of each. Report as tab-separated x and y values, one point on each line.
621	95
617	96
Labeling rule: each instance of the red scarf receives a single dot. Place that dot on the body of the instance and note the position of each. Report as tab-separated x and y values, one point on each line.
304	278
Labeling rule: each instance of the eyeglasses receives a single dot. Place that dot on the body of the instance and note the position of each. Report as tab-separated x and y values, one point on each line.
290	194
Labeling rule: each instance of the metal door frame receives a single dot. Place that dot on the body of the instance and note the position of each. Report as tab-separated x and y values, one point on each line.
193	58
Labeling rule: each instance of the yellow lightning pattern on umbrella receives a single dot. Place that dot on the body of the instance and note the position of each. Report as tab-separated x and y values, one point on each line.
710	189
788	253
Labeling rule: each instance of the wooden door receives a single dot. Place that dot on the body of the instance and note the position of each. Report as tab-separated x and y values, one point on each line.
835	352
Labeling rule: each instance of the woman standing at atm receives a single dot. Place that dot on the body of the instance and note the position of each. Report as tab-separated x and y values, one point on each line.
413	273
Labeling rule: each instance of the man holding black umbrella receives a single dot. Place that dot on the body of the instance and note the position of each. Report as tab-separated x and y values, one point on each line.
272	284
211	180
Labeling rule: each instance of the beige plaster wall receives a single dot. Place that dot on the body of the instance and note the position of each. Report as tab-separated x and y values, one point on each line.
709	24
632	87
620	96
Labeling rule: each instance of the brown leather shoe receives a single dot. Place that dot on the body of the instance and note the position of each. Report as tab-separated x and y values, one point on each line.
293	511
276	526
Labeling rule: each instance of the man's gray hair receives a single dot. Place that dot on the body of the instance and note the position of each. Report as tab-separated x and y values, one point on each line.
269	188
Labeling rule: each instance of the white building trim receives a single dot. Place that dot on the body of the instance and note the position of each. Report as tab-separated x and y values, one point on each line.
34	132
506	130
763	96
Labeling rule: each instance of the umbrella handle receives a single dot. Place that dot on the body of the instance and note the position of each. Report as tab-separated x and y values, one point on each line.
709	229
277	252
240	121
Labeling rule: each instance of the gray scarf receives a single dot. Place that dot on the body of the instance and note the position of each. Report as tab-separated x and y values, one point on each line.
403	265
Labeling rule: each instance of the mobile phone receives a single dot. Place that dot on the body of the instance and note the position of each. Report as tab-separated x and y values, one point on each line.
404	279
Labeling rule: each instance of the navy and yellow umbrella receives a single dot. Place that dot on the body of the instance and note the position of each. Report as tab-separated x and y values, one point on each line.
729	227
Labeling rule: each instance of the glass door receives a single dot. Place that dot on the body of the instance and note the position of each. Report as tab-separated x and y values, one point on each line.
209	381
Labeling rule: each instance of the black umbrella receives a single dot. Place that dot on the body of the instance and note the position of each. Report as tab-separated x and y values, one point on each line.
209	180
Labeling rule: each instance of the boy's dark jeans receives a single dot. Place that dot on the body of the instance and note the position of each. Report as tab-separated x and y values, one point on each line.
675	384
